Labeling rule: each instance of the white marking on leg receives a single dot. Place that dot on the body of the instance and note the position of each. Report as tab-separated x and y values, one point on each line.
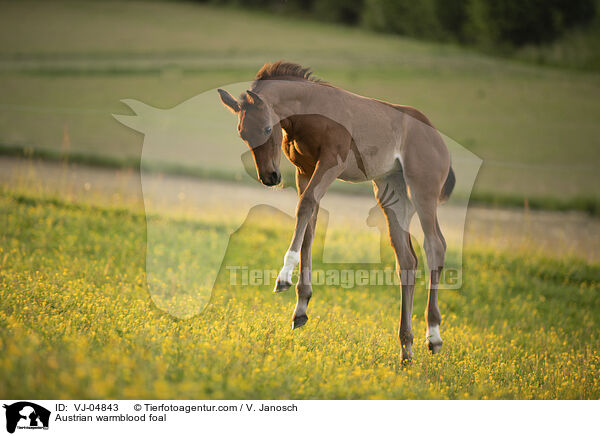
290	260
433	335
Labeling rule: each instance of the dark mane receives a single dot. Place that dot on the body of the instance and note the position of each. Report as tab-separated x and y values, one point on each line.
280	70
285	70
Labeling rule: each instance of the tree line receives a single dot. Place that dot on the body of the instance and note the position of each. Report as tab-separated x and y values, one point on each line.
501	23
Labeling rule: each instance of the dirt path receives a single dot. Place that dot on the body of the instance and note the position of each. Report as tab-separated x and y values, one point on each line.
555	234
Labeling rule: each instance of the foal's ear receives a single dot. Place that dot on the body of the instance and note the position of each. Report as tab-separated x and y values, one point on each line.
229	101
253	97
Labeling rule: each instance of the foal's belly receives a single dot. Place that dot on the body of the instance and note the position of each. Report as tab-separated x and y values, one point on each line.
374	163
355	170
347	176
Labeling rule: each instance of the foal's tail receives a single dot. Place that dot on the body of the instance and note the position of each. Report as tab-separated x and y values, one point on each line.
448	186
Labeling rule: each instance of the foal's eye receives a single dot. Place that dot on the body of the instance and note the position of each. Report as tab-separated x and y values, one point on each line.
268	130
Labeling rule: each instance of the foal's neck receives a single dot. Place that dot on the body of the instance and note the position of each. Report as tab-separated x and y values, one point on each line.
293	97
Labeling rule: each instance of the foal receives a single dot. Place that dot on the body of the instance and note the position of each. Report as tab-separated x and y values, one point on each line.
333	134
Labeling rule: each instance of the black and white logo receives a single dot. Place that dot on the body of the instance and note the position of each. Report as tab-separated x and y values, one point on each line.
26	415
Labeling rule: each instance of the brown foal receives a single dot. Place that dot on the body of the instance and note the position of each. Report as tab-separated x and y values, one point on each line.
334	134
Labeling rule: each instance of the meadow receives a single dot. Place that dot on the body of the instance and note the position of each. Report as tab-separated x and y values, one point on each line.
78	322
77	319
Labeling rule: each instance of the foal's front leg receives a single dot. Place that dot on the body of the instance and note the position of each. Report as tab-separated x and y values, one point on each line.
322	178
304	286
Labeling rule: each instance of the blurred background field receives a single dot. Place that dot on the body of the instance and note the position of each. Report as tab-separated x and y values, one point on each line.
65	66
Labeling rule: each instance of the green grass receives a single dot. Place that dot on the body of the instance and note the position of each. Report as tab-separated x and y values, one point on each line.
77	321
65	67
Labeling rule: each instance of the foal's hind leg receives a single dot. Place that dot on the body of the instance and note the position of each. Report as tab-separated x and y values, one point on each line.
426	161
426	202
392	197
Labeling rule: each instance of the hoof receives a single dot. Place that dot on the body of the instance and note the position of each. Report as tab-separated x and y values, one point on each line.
434	348
434	340
406	363
299	321
281	286
407	354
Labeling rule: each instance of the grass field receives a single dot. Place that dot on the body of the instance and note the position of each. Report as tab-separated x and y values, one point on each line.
64	69
76	317
77	322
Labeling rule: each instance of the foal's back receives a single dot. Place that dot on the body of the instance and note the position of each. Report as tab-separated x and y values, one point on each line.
381	134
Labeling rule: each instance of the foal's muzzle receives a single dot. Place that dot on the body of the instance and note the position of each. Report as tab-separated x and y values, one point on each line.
271	179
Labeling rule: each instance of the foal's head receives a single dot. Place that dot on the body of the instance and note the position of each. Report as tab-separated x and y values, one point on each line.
259	127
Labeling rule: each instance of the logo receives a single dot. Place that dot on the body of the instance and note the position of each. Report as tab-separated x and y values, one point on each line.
26	415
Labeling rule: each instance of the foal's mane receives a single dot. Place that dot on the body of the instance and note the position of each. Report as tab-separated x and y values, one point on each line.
282	70
286	71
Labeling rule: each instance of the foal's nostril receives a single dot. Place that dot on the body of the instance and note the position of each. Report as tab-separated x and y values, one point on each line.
275	177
